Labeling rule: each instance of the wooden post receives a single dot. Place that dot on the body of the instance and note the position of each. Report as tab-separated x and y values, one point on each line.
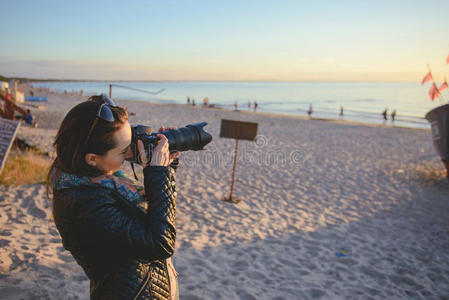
237	130
233	172
110	91
15	91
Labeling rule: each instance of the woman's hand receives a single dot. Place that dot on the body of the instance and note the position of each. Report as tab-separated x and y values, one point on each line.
161	155
172	155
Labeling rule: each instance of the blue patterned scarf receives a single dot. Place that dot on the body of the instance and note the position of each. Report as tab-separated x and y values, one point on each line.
120	182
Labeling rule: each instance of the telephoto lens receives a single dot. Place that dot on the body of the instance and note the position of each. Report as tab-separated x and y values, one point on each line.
191	137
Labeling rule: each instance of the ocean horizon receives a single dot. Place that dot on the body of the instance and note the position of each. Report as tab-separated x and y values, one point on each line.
361	101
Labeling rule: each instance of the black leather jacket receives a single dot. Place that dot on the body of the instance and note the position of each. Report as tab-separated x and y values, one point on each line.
122	250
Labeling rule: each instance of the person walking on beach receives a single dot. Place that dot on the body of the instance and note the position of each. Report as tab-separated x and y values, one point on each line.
341	111
255	106
310	111
236	106
121	233
249	105
393	115
385	114
188	100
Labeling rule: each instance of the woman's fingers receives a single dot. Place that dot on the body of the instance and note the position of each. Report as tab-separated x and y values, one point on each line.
174	155
161	154
163	141
142	153
168	128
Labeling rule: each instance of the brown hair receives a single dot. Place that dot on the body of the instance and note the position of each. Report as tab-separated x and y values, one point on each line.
71	145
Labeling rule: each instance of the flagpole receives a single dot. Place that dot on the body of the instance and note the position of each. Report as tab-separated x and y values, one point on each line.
440	97
445	80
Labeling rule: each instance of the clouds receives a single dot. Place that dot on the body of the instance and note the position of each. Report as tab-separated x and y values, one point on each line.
61	69
275	69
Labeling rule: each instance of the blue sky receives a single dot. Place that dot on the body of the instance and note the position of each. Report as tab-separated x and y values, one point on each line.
229	40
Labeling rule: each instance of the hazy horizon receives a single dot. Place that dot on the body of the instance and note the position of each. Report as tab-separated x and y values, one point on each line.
199	80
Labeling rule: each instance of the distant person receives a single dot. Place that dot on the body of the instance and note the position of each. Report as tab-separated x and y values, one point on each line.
8	110
341	111
310	111
188	100
28	118
385	114
249	105
193	102
255	106
206	102
236	106
8	94
393	115
31	93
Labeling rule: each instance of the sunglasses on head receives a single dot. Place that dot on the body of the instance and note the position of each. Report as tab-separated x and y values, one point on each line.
104	112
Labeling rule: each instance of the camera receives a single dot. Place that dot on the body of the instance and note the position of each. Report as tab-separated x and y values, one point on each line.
191	137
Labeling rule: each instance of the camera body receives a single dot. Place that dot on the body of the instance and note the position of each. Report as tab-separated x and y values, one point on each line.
191	137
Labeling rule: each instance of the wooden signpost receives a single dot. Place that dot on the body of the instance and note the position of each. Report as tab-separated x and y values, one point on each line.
8	131
239	131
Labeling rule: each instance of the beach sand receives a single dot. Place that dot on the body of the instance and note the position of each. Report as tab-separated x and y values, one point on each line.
329	210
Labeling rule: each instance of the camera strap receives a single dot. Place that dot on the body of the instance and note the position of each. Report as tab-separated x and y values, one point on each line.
134	171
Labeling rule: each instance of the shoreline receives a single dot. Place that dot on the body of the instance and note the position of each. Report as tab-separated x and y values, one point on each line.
353	112
279	115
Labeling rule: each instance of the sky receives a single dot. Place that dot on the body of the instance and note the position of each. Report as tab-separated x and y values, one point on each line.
225	40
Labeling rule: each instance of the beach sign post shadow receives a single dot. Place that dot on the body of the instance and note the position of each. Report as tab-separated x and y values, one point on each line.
8	132
237	130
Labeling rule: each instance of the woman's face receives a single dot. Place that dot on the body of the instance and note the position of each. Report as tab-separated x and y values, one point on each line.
113	159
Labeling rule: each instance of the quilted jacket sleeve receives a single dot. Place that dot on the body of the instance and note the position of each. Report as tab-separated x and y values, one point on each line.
160	190
108	228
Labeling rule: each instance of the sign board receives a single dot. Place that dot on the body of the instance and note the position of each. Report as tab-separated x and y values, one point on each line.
8	131
238	130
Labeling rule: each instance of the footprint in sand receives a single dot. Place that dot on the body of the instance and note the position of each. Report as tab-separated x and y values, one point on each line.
241	265
256	275
190	297
316	293
4	243
245	295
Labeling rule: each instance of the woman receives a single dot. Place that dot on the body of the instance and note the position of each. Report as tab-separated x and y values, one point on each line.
121	233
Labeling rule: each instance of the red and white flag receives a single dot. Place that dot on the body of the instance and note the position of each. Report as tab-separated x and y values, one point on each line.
426	78
433	92
443	86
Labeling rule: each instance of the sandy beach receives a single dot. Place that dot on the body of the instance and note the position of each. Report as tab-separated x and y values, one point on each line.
329	210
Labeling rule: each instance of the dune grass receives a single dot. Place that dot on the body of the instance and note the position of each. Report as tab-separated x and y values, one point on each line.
25	168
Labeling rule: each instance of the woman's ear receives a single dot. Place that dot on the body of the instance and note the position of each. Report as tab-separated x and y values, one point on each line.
91	159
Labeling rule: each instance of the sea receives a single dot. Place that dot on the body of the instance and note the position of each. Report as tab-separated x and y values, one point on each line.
361	102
